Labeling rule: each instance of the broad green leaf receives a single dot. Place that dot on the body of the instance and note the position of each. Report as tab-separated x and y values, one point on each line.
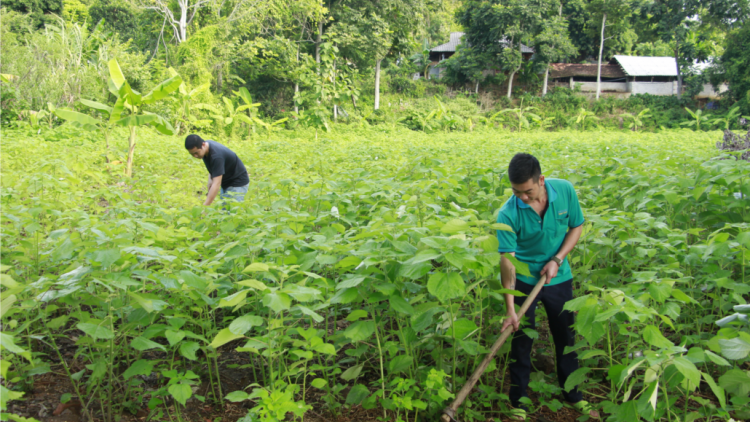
142	344
736	381
319	383
237	396
455	226
360	330
188	349
682	297
174	337
399	364
689	371
7	304
356	315
4	366
96	105
309	312
352	373
446	286
95	331
253	284
115	73
587	325
76	117
325	348
8	343
193	280
7	395
256	267
139	367
233	300
718	391
277	301
716	358
136	120
162	90
357	395
223	337
398	304
349	283
653	336
424	255
521	267
243	324
181	392
734	349
149	305
578	376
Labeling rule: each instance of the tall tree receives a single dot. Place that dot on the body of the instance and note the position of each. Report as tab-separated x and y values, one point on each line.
673	20
500	28
553	44
373	31
613	15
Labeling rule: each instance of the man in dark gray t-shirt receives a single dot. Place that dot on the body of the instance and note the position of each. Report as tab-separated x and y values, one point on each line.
227	175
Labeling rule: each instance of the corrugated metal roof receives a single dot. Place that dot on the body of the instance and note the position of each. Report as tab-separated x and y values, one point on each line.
450	46
455	40
647	66
564	70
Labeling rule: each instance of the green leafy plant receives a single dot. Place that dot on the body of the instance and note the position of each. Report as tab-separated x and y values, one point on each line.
698	119
637	120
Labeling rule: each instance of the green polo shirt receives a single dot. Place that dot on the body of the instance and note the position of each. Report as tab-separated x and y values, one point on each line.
536	240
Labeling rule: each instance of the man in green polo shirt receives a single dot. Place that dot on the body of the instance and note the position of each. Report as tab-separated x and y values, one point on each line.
547	221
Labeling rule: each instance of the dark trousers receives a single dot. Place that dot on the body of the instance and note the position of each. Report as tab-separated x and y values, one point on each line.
560	325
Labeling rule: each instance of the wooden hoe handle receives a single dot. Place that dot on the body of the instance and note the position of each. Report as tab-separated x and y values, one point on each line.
450	412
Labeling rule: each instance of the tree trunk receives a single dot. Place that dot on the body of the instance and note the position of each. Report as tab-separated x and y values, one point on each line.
296	83
354	102
512	74
476	88
219	79
677	63
599	65
377	84
131	152
318	41
546	78
183	20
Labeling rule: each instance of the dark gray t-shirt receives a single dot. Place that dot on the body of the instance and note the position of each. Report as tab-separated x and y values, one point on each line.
221	161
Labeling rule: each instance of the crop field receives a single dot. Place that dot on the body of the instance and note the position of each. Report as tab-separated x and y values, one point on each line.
352	283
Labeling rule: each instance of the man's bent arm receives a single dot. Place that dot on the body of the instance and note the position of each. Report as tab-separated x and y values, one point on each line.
214	190
208	184
571	238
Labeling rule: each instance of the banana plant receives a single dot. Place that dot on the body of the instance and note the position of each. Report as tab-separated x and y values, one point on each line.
270	127
637	119
698	119
127	110
585	116
88	122
522	113
732	115
226	117
184	97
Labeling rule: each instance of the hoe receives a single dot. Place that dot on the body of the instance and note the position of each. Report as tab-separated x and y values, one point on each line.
449	413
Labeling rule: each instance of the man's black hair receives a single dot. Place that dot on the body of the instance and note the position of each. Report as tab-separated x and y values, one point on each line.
193	141
524	167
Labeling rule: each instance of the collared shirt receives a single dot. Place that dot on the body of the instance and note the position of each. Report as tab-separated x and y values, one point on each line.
535	239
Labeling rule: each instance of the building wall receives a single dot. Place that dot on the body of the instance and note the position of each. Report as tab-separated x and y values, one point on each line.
606	86
709	92
653	88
